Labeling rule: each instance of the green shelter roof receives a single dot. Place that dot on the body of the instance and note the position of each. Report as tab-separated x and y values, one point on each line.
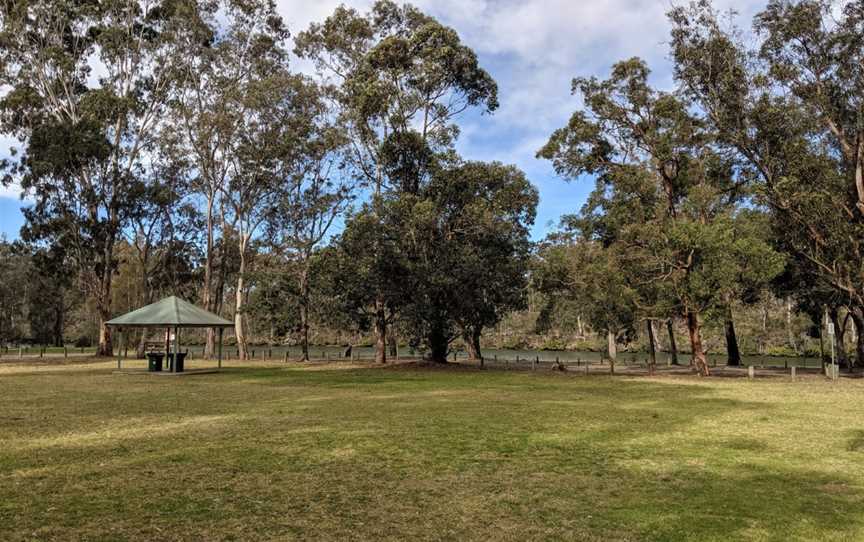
170	312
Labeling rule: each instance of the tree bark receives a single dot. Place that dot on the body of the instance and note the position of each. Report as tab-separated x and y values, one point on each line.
471	336
733	354
207	293
694	328
858	319
652	346
673	347
392	344
106	348
789	334
438	344
239	329
611	349
304	315
839	336
380	325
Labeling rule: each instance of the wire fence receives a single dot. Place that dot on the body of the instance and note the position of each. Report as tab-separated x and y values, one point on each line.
363	354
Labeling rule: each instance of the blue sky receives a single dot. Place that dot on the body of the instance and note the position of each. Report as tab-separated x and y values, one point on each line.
533	48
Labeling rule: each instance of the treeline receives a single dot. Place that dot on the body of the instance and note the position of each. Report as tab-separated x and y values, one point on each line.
169	147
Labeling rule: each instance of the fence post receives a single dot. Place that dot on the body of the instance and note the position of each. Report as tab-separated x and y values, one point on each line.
20	352
793	372
536	361
751	372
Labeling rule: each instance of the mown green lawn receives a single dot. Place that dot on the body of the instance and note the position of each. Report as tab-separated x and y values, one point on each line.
268	452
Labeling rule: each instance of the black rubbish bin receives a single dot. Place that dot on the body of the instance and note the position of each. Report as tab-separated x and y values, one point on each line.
178	366
154	362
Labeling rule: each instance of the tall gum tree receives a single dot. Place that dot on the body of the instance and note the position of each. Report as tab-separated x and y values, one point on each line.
663	196
234	43
400	79
86	131
790	108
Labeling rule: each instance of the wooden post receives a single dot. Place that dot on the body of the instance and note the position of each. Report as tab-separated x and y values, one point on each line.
219	355
119	347
176	348
536	362
65	352
20	352
793	372
285	357
751	372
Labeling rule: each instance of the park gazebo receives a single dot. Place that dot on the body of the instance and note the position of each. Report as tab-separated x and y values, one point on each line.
168	313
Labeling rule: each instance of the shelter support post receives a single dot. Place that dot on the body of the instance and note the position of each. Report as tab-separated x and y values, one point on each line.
221	329
176	347
119	346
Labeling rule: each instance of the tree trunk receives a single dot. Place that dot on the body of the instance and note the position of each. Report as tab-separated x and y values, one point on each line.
733	354
380	333
839	336
239	330
392	344
438	344
106	348
304	315
790	337
471	336
673	347
59	320
207	292
612	349
858	319
694	328
652	346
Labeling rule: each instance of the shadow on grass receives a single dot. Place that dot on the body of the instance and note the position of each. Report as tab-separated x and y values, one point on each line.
318	453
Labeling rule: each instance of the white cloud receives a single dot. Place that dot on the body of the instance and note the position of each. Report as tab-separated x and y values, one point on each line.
533	48
11	192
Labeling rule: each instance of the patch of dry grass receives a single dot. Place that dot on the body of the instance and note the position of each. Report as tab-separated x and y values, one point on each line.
269	451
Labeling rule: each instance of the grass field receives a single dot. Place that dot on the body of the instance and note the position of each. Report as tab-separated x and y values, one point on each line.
326	452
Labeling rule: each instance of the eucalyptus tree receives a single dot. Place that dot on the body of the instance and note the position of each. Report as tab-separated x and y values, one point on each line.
590	275
400	79
310	200
14	271
88	84
235	43
279	114
791	110
467	241
664	195
162	232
